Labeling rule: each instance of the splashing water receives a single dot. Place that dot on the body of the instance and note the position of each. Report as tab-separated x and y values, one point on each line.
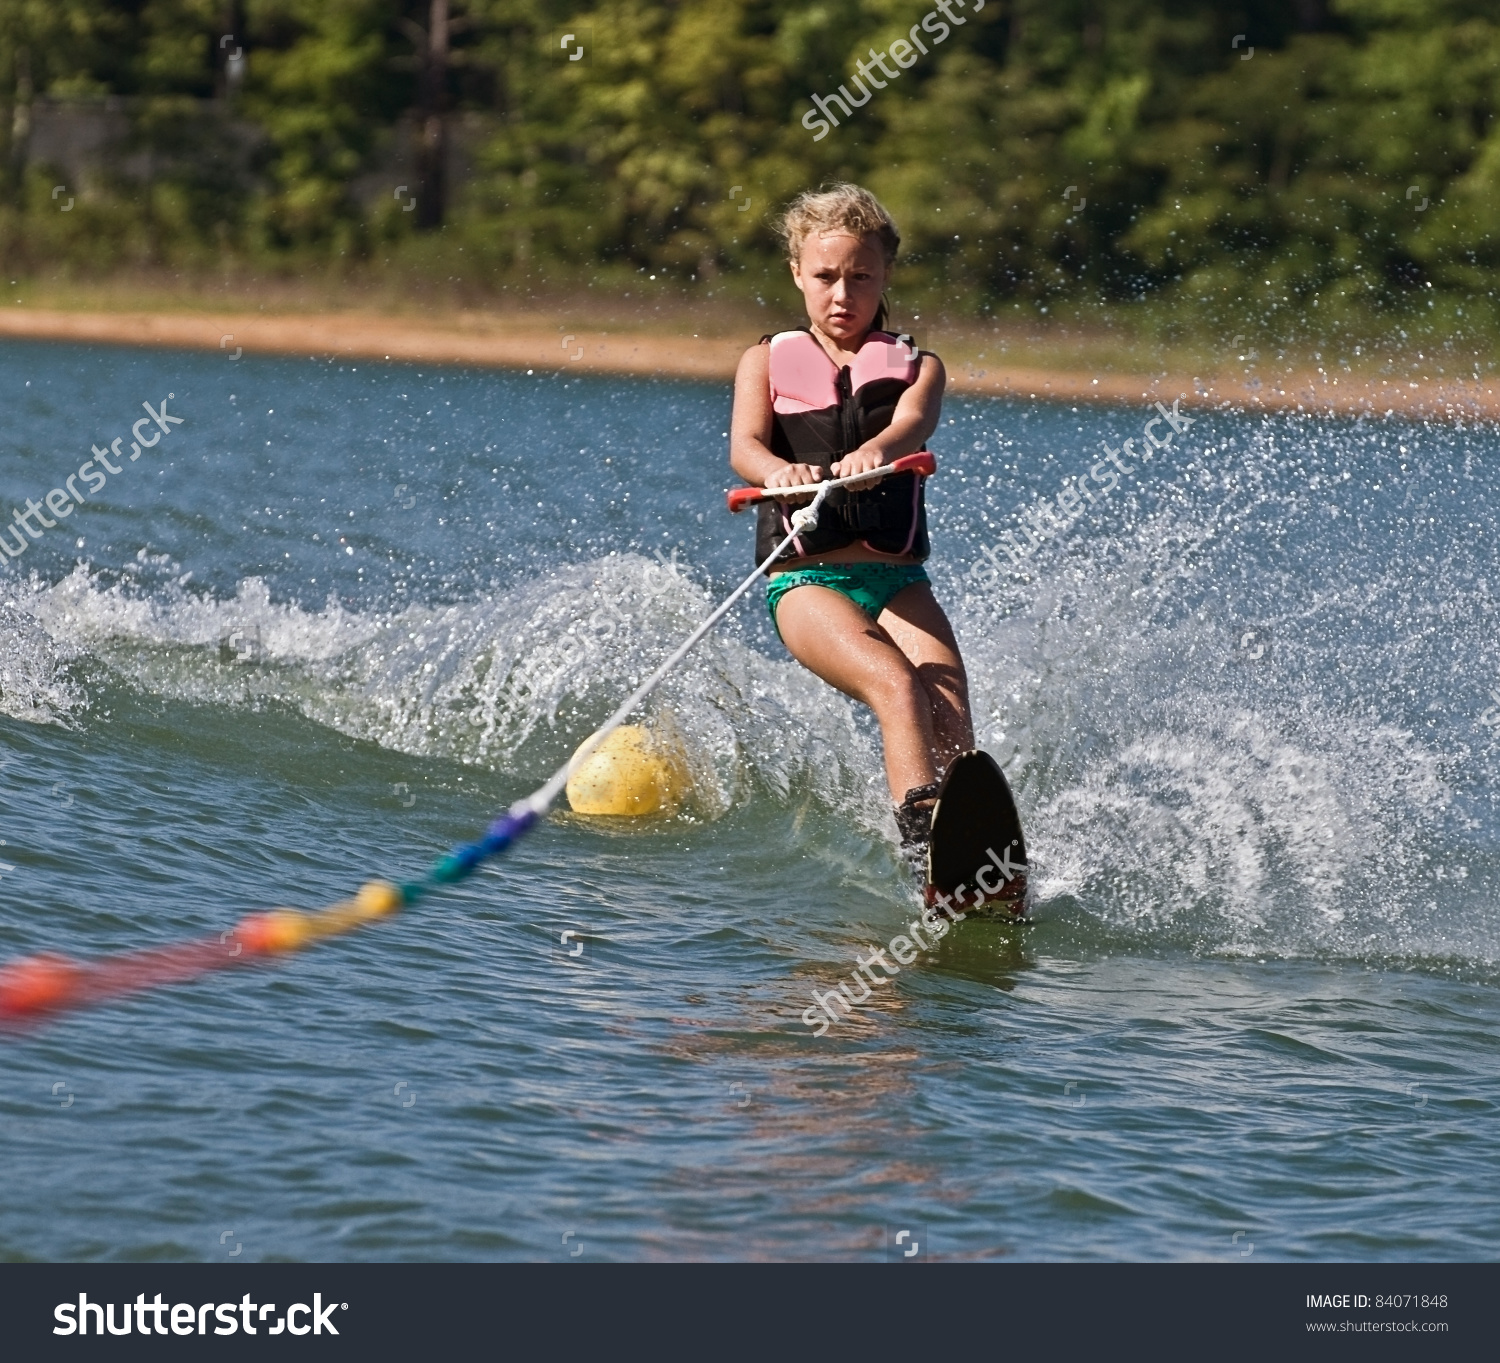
509	681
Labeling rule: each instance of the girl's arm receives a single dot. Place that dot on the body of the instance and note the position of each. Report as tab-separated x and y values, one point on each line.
914	421
750	429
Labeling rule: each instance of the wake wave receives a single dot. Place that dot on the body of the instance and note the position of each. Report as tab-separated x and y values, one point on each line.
34	685
1214	741
511	681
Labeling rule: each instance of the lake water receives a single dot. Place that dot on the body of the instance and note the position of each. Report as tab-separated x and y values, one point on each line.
344	614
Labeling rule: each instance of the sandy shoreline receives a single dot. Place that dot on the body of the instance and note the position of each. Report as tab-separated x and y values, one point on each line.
489	340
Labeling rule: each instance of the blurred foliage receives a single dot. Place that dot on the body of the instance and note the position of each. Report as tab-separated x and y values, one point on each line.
1286	164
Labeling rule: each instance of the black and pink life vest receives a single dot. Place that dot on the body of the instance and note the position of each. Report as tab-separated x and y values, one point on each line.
822	412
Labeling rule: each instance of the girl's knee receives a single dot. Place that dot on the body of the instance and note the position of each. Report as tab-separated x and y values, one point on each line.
899	690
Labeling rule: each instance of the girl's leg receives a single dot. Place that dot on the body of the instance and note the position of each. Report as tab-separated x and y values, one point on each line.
915	623
833	638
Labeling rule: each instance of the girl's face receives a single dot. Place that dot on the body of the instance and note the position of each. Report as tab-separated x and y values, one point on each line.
841	277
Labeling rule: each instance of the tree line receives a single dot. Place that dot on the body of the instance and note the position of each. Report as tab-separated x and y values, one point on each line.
1333	160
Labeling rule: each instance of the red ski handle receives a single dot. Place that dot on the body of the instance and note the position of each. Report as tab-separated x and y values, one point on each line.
922	463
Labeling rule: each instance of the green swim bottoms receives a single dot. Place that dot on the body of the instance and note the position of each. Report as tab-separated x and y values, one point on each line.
871	586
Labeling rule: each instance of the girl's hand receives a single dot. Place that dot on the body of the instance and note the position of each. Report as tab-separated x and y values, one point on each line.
861	460
795	475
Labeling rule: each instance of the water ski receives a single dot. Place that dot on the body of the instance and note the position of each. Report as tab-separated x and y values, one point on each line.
977	856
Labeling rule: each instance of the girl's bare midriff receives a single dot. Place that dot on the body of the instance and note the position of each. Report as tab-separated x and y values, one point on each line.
850	553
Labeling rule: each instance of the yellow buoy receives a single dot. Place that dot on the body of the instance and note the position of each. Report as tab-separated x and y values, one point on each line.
633	772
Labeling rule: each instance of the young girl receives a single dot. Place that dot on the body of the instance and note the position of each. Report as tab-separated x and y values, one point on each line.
850	599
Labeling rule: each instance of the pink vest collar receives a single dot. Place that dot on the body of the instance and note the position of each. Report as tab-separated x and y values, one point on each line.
805	379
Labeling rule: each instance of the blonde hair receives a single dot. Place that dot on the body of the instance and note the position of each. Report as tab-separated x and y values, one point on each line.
838	208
